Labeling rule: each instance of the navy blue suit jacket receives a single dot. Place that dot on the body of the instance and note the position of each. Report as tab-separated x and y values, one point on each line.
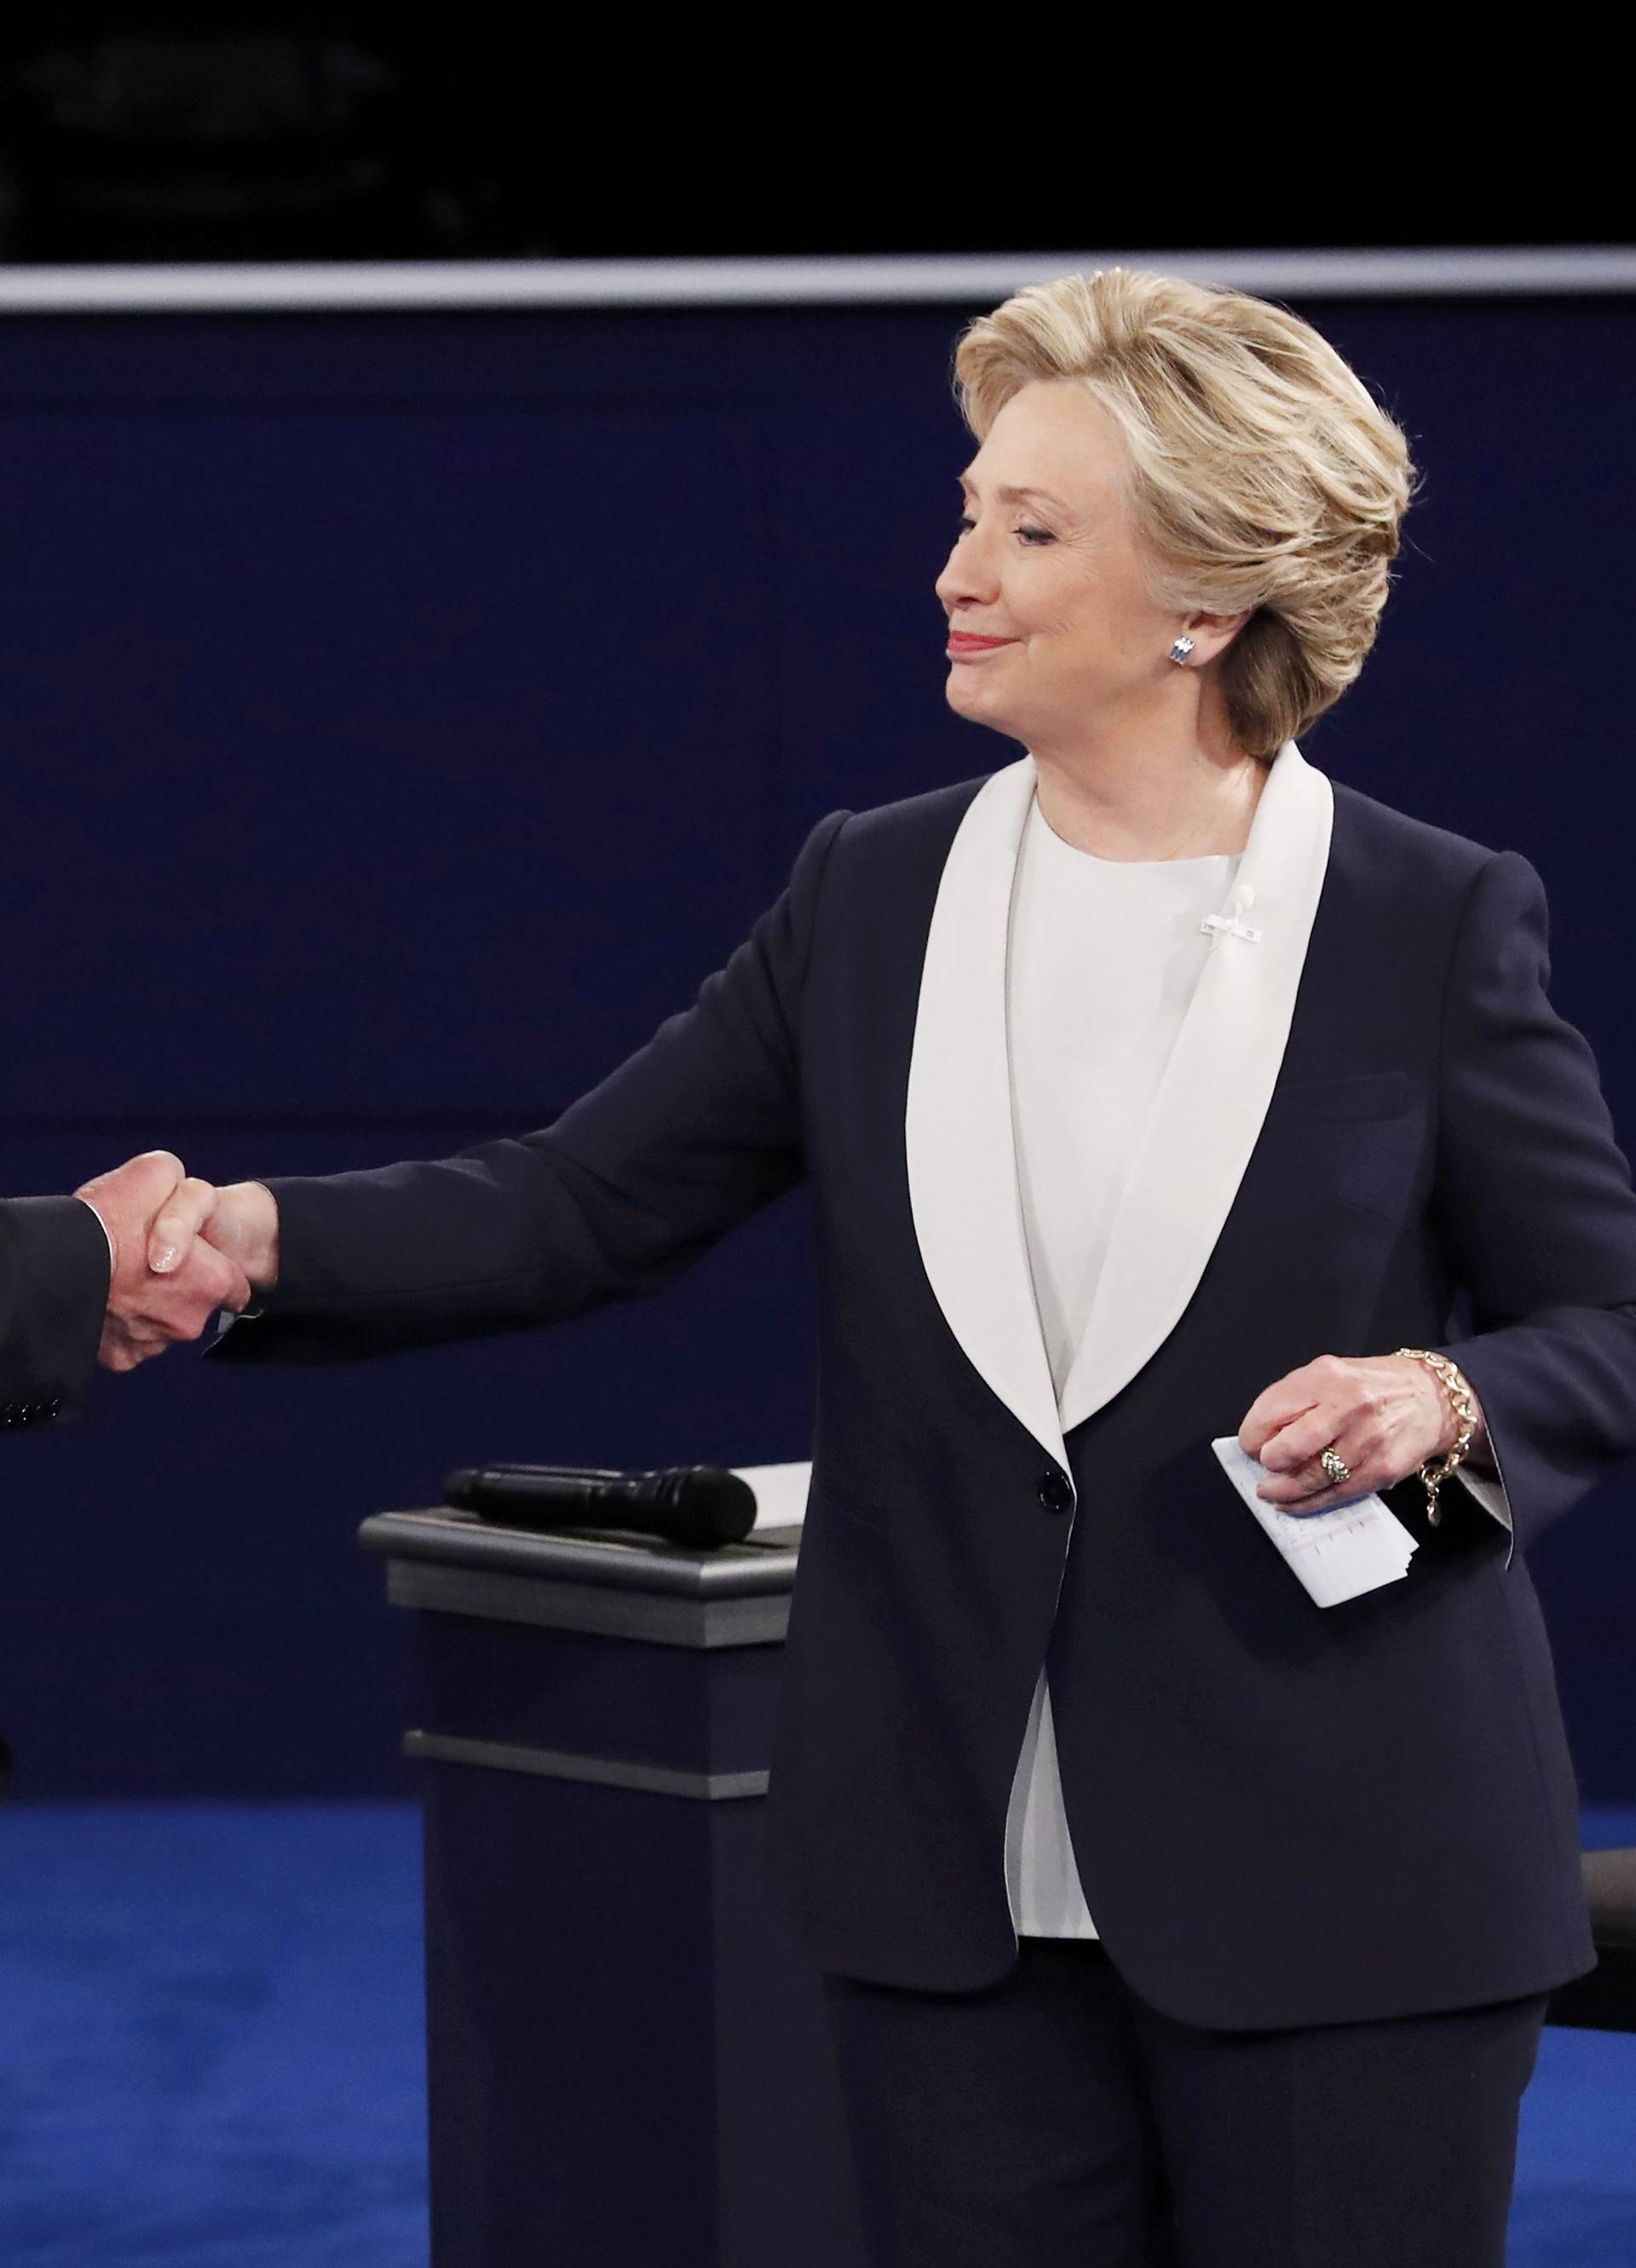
54	1290
1281	1815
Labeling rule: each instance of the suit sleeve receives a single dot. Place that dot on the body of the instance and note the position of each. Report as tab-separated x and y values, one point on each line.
54	1289
698	1130
1533	1199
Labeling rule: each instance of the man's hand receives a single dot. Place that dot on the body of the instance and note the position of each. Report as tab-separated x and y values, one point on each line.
147	1312
1386	1414
240	1221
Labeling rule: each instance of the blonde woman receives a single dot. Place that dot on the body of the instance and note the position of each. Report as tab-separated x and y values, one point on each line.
1151	1088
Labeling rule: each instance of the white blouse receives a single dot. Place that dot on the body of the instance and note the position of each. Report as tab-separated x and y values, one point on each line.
1103	956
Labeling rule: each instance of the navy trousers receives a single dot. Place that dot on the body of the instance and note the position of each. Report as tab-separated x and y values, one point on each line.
1057	2120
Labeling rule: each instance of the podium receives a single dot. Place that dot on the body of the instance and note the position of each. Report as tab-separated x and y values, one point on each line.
628	2059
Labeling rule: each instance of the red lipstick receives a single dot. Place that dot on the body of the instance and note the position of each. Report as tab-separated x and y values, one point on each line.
962	645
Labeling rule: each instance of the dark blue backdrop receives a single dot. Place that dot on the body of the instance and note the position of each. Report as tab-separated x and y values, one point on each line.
403	713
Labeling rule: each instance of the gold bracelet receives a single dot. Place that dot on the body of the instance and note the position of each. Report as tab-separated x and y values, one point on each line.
1435	1471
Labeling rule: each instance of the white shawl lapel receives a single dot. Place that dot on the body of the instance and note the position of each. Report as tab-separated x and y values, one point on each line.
1199	1135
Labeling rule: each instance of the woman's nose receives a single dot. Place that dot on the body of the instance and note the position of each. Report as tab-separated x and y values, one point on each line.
964	579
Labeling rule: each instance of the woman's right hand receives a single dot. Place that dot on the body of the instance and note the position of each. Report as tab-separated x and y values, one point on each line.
242	1222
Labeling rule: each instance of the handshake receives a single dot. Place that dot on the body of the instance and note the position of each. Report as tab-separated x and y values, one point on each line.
180	1249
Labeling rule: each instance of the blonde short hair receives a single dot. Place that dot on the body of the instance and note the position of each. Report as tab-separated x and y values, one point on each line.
1259	469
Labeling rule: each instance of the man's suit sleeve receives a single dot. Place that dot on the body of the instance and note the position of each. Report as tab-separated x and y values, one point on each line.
695	1130
1533	1198
54	1288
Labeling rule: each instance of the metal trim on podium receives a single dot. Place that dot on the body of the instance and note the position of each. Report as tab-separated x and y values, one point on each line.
618	1584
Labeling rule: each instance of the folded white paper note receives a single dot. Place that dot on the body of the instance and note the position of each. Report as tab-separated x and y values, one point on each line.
780	1493
1338	1554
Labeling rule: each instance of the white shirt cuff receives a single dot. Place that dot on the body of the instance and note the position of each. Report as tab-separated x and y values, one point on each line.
108	1231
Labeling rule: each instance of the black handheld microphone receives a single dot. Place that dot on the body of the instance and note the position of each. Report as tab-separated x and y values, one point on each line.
695	1505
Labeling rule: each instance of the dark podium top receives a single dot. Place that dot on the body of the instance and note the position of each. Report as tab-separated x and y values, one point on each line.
598	1580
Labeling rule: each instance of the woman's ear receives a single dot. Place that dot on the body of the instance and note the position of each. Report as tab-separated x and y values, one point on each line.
1212	634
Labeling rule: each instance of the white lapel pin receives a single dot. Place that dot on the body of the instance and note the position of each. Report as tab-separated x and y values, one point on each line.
1241	896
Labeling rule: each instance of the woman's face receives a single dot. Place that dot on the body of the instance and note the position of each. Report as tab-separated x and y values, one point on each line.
1052	637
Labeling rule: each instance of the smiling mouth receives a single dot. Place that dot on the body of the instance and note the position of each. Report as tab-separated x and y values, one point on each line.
962	642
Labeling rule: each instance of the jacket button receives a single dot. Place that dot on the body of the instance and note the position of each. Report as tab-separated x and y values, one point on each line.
1055	1491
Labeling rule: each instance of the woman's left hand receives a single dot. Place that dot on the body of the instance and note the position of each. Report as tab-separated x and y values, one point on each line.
1384	1414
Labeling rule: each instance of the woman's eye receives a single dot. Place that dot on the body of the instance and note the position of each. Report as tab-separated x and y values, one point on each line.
1028	535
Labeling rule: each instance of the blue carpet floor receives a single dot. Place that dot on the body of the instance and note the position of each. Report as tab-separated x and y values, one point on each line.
212	2057
211	2036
